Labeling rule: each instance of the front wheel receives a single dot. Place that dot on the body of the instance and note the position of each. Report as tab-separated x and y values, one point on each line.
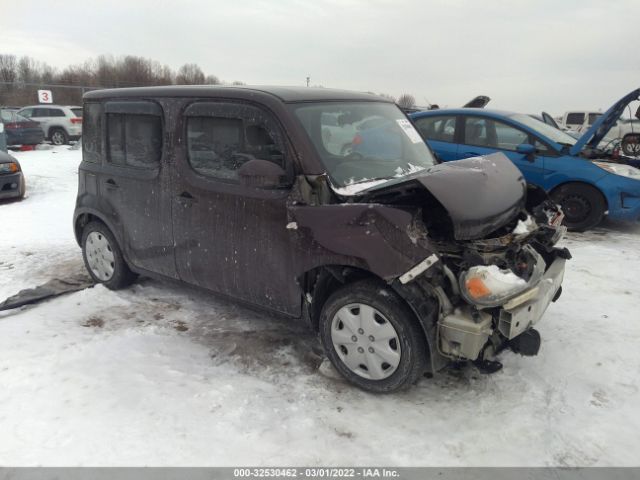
372	338
583	206
103	257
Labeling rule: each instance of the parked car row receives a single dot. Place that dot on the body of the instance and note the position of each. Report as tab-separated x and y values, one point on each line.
34	124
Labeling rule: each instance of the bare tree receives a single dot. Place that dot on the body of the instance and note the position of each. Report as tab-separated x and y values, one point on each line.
406	100
190	74
212	80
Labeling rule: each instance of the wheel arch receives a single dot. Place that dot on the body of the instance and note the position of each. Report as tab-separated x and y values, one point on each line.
83	217
582	183
320	282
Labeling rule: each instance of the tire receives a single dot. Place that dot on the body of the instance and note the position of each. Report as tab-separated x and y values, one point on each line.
583	206
58	136
23	187
631	144
360	311
103	258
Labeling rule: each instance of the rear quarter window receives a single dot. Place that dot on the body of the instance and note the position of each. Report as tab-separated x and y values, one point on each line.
77	112
575	118
92	133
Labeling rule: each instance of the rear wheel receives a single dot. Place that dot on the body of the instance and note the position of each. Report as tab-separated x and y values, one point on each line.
103	257
583	205
372	338
59	136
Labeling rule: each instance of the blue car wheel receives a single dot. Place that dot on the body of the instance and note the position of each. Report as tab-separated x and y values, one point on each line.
583	205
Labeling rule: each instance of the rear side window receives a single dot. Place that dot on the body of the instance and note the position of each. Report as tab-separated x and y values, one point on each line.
593	117
575	118
134	140
223	137
437	128
54	112
77	112
92	133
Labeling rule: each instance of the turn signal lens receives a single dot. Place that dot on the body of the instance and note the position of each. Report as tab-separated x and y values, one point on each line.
477	288
9	167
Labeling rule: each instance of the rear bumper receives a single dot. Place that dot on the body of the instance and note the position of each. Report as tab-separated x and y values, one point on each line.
10	185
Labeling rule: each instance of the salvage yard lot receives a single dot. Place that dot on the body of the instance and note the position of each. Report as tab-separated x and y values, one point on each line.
160	374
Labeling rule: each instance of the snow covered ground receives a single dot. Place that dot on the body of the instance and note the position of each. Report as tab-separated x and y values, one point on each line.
160	374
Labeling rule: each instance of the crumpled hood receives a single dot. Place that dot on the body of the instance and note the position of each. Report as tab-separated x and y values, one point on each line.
480	194
607	120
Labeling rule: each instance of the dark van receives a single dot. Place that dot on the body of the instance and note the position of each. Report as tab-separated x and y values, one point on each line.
400	263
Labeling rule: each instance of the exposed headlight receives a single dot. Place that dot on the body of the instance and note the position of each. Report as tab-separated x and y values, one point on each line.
490	286
10	167
619	169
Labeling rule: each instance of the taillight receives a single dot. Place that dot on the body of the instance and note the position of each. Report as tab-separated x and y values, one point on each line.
76	120
357	140
13	126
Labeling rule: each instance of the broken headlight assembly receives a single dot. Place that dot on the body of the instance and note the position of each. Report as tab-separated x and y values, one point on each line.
490	286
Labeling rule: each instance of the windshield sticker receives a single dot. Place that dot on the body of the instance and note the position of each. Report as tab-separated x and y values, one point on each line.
411	132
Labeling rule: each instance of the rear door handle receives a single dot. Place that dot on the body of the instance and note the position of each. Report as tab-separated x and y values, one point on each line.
111	183
186	199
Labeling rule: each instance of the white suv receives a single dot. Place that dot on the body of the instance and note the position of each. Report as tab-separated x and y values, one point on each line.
60	123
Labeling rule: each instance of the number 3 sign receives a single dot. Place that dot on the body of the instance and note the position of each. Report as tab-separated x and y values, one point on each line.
44	96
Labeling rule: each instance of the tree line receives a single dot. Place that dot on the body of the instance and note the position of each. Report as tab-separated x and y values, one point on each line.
21	77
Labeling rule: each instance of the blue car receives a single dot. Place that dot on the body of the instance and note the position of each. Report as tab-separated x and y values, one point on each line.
586	181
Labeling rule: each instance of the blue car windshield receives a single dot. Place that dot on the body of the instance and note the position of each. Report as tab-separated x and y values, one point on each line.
552	133
362	144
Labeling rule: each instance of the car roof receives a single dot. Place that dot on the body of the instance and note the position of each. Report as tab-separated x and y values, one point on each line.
285	94
50	105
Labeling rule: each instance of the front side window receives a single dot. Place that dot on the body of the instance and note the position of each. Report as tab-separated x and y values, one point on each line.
92	133
27	112
593	117
374	142
223	137
442	129
485	132
134	140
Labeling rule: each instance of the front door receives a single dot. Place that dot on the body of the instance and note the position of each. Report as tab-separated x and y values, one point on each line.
230	237
134	180
483	136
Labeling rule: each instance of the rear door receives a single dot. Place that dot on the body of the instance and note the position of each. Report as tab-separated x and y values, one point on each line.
135	182
230	237
440	132
483	136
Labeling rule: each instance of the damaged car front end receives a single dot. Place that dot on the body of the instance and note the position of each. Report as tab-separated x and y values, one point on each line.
466	245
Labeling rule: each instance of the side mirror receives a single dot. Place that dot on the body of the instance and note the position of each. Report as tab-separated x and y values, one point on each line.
526	149
262	174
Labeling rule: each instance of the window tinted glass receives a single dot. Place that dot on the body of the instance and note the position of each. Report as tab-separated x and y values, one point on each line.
575	118
437	128
77	112
134	140
220	144
54	112
92	133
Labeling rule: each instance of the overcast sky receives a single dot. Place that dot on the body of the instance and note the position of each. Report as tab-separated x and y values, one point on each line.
526	55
